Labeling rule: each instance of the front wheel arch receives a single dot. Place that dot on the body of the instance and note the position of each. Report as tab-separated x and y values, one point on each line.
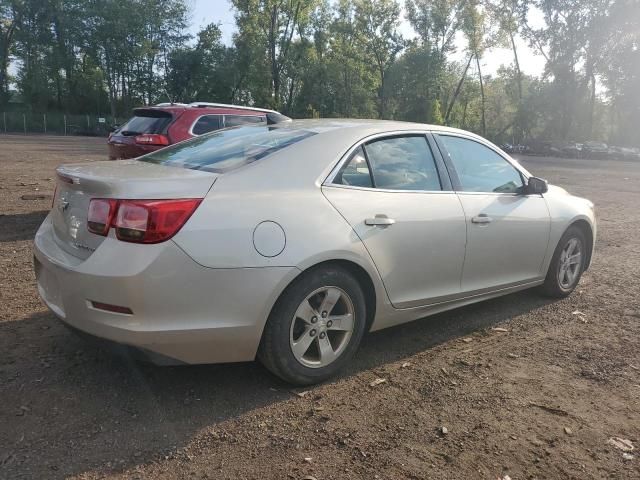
586	229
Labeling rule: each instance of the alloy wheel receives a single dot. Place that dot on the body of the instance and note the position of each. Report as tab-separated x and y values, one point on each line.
570	263
322	327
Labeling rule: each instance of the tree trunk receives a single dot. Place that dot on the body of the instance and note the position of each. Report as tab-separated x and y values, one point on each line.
519	112
464	113
4	62
381	94
517	64
275	71
65	58
110	88
4	65
592	102
484	123
457	92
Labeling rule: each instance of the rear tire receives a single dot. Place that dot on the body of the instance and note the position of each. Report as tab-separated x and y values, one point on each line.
567	264
315	327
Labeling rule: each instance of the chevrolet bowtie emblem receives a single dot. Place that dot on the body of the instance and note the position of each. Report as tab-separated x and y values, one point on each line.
63	204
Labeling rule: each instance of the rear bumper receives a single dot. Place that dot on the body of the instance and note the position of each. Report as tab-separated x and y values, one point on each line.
181	310
121	150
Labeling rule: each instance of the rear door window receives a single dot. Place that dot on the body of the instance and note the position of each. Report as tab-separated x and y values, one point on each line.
206	124
403	163
355	172
235	120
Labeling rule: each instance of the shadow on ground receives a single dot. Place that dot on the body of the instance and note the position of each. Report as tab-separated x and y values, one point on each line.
83	409
20	226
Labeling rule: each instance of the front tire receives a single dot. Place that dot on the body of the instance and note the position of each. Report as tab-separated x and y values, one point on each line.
315	327
567	264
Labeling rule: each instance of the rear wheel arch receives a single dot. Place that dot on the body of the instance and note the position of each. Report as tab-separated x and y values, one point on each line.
278	349
361	275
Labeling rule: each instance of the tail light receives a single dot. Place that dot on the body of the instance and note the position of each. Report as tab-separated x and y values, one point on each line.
140	221
152	221
101	211
152	139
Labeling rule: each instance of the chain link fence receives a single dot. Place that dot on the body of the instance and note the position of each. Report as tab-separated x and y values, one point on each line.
57	123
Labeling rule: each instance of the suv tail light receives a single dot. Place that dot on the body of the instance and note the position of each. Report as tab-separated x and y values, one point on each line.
140	221
152	139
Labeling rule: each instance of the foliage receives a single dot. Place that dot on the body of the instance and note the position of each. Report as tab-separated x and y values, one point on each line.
337	58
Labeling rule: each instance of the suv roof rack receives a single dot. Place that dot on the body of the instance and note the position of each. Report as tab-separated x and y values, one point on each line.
170	104
228	105
273	117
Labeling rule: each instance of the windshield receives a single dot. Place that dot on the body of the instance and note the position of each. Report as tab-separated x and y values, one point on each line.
228	149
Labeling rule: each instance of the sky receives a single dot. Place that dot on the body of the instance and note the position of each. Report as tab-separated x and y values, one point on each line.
204	12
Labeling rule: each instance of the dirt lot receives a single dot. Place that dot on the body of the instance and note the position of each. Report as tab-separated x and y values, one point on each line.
539	400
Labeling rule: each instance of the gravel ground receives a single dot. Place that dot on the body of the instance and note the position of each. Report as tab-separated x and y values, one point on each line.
524	386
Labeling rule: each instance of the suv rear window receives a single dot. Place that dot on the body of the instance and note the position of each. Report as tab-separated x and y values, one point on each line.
228	149
150	121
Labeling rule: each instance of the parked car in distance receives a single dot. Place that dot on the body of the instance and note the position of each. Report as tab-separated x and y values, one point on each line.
520	149
153	128
624	153
593	149
507	147
572	150
289	242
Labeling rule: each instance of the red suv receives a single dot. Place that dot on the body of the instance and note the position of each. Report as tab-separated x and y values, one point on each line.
152	128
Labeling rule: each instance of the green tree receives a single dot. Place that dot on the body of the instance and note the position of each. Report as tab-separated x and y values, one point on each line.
10	18
620	69
267	27
204	72
377	24
436	23
350	78
475	30
567	42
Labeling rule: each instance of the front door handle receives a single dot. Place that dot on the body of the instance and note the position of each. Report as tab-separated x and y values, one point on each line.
379	221
482	218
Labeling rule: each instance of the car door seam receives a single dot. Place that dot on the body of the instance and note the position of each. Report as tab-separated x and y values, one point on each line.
361	241
549	249
466	240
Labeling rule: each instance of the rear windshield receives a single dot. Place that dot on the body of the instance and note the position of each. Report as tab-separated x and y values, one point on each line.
152	123
227	149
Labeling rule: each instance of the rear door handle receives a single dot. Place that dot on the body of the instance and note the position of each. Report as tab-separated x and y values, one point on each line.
482	218
379	220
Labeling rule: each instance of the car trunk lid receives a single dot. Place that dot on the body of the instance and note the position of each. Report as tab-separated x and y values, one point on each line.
77	184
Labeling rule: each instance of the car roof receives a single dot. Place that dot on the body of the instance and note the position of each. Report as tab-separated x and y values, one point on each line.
366	127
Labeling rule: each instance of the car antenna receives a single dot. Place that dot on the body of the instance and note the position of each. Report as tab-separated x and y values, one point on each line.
166	92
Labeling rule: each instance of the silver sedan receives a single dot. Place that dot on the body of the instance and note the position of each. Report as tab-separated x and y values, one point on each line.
289	242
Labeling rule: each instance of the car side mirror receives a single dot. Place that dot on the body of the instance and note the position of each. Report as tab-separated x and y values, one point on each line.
536	186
